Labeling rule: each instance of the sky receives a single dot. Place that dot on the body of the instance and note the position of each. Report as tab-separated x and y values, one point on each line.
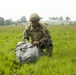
15	9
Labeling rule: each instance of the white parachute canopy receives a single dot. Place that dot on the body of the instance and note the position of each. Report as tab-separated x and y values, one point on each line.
26	52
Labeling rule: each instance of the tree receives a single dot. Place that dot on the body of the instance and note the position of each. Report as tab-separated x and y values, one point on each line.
61	18
18	21
23	19
56	18
67	19
50	18
8	21
53	18
2	21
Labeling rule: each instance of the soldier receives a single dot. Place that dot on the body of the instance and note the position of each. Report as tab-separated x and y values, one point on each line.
39	34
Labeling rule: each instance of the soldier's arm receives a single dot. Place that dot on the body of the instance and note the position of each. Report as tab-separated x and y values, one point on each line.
46	34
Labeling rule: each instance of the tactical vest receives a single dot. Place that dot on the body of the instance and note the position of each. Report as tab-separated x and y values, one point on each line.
35	33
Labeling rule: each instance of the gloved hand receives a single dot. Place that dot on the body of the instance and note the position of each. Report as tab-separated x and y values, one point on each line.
35	43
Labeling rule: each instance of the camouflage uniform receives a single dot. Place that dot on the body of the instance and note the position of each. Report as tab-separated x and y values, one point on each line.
39	33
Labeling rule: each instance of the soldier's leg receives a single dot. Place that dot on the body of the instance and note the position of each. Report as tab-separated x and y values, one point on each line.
41	52
49	51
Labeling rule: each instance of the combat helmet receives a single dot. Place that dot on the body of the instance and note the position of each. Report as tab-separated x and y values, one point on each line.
34	17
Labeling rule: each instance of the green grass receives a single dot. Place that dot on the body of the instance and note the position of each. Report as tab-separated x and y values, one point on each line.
63	61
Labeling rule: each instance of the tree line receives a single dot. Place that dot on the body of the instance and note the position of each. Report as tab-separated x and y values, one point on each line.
23	19
4	22
60	18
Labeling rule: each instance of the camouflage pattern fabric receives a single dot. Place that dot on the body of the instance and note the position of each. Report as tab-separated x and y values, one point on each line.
40	33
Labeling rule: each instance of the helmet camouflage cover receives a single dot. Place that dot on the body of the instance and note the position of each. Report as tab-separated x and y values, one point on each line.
34	17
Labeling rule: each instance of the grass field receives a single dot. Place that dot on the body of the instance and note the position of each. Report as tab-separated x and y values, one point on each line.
63	61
